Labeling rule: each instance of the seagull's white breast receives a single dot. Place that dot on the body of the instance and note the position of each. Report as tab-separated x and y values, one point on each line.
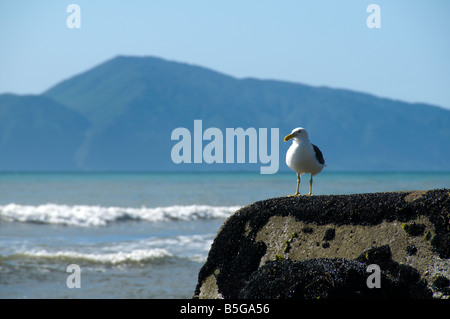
301	158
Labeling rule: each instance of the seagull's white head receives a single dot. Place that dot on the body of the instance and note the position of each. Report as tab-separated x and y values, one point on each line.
297	134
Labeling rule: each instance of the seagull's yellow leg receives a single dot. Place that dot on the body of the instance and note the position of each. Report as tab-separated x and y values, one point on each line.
310	186
298	184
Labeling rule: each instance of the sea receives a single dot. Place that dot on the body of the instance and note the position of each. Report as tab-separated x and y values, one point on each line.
140	234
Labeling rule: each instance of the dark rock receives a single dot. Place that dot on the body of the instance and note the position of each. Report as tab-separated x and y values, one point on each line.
441	243
411	250
377	255
414	229
309	279
441	283
329	234
329	279
241	262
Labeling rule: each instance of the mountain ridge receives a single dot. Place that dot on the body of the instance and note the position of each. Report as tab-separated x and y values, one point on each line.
132	104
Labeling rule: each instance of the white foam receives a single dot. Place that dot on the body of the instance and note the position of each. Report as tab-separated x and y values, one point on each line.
193	247
83	215
134	256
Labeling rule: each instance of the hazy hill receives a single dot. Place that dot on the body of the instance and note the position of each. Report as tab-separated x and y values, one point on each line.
134	103
37	133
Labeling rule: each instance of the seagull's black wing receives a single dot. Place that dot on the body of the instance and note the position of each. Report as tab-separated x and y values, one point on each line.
319	155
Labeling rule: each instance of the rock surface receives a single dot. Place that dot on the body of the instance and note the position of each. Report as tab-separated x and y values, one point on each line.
321	247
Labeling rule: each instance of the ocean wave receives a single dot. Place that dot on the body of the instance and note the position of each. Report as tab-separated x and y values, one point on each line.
115	258
191	247
87	216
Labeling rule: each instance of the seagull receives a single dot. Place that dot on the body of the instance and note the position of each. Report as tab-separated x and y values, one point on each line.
303	156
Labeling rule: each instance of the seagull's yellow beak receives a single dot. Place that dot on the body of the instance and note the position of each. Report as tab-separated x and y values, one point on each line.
288	137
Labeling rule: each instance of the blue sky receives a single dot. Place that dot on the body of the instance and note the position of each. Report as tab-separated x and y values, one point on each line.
320	43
